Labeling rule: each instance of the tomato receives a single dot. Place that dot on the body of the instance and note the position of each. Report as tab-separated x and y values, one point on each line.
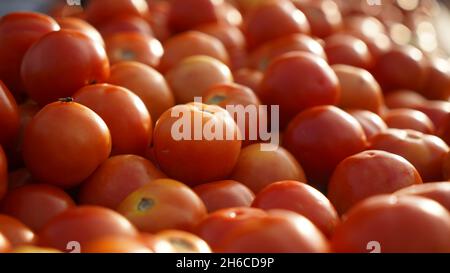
178	241
191	43
301	198
436	110
4	244
158	18
371	123
18	178
145	82
116	178
83	224
115	244
100	11
347	49
126	23
437	191
425	152
88	64
409	119
403	99
278	232
397	223
382	172
34	249
401	68
437	85
282	86
257	168
163	204
36	204
323	16
187	14
64	143
273	19
18	31
192	76
446	166
124	113
224	194
9	116
248	77
199	156
16	232
359	89
82	26
320	138
261	57
3	173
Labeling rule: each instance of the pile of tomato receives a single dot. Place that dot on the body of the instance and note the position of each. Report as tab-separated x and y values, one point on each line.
89	161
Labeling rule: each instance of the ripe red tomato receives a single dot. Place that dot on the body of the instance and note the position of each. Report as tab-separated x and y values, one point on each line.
192	76
320	138
371	123
84	224
100	11
18	31
74	23
273	19
397	223
4	244
16	232
3	173
125	23
409	119
64	143
404	99
343	48
124	113
323	16
191	43
446	166
301	198
210	157
248	77
437	85
188	14
36	204
381	172
436	110
359	89
115	244
257	168
425	152
163	204
88	64
437	191
116	178
178	241
9	117
224	194
34	249
282	86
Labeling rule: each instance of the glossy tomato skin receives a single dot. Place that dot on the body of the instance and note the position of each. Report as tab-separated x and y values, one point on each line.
437	191
282	86
248	77
9	116
308	139
34	249
115	244
88	64
3	173
100	11
382	172
36	204
5	245
84	224
323	16
178	241
16	232
397	223
425	152
116	178
346	49
78	24
409	119
437	85
224	194
403	99
446	166
437	111
47	137
301	198
163	204
18	31
196	161
187	14
124	113
371	123
125	23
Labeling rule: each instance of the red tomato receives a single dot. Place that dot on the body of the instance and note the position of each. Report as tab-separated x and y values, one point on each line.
36	204
248	77
163	204
145	82
115	244
301	198
436	110
83	224
188	44
359	89
409	119
18	31
403	99
446	166
437	191
381	172
100	11
323	16
124	113
397	223
257	168
210	157
4	244
273	19
16	232
116	178
34	249
3	173
9	116
224	194
126	23
82	26
282	86
64	143
320	138
343	48
371	123
158	18
18	178
187	14
437	85
88	64
178	241
425	152
192	76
